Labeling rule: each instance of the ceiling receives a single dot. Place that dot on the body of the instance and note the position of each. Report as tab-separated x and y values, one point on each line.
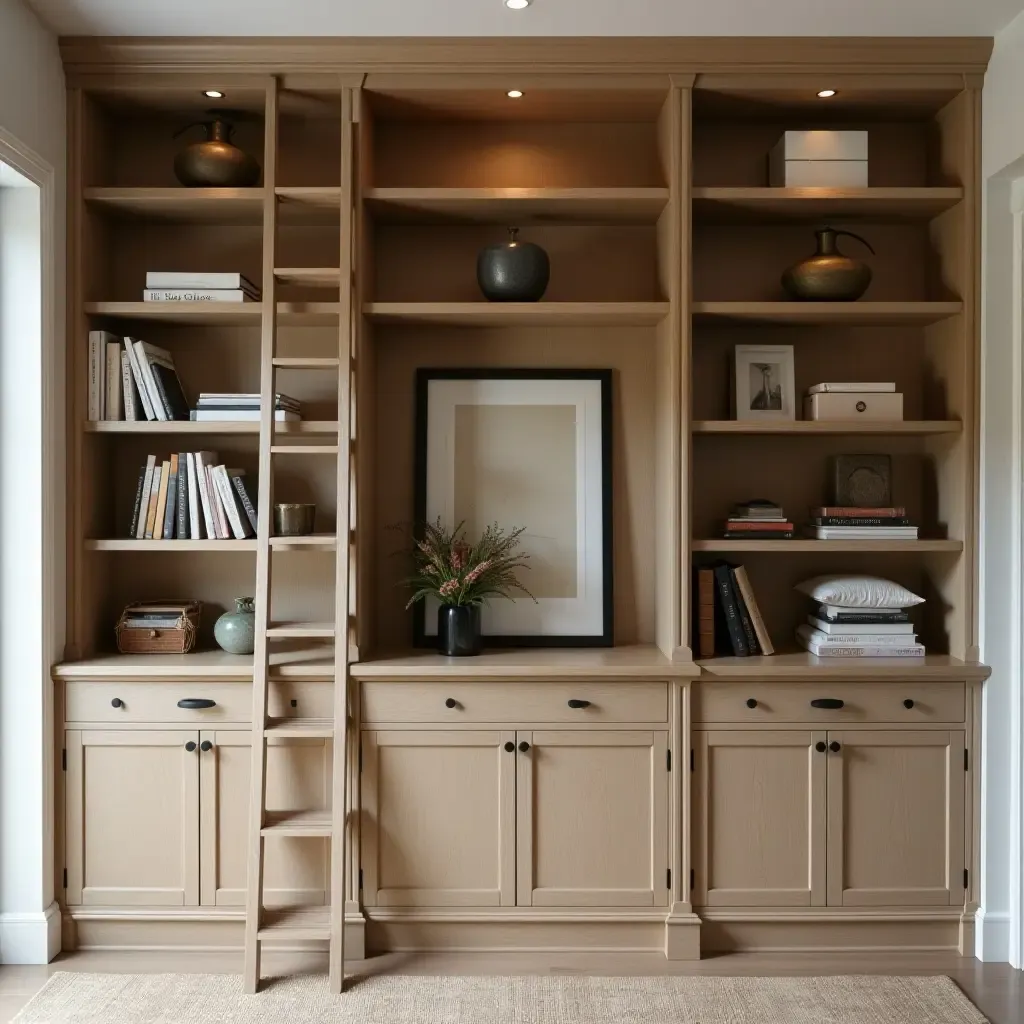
542	18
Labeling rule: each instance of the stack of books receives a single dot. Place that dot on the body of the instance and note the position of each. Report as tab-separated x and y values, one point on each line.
834	632
236	406
183	286
728	619
830	522
132	380
188	496
758	519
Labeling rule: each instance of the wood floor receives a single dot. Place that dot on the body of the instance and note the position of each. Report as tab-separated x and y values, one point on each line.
997	989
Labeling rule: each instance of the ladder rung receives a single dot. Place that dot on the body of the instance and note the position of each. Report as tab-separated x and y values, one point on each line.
297	728
311	540
296	923
307	363
296	823
304	449
312	277
301	630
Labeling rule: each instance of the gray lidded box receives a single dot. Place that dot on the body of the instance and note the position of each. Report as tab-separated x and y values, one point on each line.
822	159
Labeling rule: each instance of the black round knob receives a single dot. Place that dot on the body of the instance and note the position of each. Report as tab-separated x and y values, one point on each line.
117	703
524	746
751	703
908	703
834	747
190	746
451	702
510	746
820	746
206	745
861	406
574	703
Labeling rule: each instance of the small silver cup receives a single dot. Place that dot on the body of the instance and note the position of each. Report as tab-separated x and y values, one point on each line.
293	519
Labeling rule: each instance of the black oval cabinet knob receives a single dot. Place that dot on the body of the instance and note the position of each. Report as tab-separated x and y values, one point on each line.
861	406
206	745
834	747
190	746
510	746
751	703
574	703
117	703
196	703
524	746
908	703
828	703
820	746
451	702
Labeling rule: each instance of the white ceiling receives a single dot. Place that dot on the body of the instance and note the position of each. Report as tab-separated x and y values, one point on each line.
543	18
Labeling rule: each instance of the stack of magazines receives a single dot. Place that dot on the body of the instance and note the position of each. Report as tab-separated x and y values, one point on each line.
235	406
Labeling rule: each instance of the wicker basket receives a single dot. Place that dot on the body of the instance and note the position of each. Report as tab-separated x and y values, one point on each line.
166	627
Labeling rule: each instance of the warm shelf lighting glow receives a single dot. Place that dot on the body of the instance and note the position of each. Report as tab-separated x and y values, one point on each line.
517	5
826	94
515	94
213	94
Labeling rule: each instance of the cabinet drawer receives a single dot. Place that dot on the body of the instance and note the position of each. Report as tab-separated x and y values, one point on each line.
158	702
396	702
862	702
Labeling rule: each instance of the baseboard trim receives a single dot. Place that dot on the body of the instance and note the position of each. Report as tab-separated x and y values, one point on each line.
30	938
992	936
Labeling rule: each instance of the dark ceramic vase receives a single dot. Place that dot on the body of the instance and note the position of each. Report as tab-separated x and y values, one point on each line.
458	630
513	271
215	162
828	275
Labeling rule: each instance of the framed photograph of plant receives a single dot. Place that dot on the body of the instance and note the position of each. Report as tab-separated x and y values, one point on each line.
527	450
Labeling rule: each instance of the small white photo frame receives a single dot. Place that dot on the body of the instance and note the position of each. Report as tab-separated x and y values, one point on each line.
764	381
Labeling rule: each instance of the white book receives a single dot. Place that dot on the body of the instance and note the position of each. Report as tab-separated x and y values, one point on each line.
852	387
114	392
202	460
129	396
237	519
843	631
195	512
191	279
140	383
241	416
220	518
865	638
147	355
196	295
914	651
862	532
147	490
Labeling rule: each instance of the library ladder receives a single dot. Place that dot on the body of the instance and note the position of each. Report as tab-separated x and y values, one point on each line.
304	923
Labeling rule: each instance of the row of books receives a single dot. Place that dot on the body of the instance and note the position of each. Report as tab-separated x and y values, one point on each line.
859	523
238	406
728	618
184	286
189	496
838	632
132	380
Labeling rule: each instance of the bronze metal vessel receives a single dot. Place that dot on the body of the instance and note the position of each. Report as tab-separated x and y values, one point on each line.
828	275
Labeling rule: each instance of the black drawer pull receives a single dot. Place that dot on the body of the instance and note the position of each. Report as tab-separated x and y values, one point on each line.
574	703
834	747
828	703
751	703
908	703
820	746
196	703
117	703
451	702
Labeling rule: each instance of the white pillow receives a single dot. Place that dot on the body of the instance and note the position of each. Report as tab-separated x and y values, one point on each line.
858	592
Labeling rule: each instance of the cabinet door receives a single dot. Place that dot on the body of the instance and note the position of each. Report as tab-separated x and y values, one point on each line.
592	812
759	819
439	819
295	869
895	819
132	818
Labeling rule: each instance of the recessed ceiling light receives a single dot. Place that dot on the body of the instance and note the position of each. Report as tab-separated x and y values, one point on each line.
213	94
515	94
826	94
517	5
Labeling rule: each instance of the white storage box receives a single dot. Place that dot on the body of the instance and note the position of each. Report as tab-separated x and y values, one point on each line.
819	159
854	406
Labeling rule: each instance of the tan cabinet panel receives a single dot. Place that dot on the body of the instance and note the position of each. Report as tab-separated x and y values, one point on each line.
439	819
132	805
592	810
895	819
759	819
298	778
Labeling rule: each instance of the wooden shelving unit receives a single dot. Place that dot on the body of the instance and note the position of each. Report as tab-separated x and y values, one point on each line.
810	546
515	314
820	314
818	428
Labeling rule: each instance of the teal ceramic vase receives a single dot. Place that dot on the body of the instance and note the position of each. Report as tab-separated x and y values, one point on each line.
235	631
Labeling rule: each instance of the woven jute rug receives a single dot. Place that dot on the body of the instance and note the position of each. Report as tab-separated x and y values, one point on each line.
72	998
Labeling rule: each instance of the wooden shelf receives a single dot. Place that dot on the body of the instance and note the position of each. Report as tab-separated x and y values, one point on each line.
303	427
810	545
312	541
517	205
801	665
309	277
810	205
855	314
824	427
165	546
181	205
227	314
512	314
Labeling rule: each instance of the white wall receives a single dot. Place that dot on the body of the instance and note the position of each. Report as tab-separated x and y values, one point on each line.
1000	928
32	130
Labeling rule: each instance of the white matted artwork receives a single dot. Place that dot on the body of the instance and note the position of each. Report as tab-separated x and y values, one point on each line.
528	448
764	382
